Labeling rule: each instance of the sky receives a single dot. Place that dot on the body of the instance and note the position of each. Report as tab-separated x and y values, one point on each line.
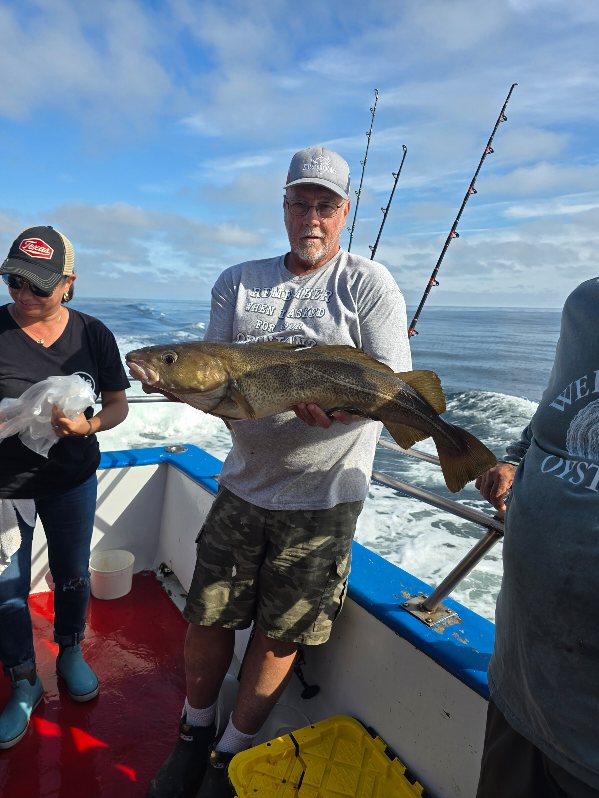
157	136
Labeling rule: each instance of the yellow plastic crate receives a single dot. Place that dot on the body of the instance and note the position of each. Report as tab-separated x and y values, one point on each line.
334	758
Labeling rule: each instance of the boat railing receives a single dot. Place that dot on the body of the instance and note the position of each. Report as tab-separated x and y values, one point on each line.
429	609
137	400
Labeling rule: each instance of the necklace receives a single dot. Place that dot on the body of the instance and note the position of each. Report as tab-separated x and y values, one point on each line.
40	341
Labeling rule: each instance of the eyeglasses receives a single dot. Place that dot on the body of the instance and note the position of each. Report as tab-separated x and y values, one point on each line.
16	283
324	209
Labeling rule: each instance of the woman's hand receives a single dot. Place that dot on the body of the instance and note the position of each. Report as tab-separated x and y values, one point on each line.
114	410
65	427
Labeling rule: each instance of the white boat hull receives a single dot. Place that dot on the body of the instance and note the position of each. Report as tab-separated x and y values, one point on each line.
422	691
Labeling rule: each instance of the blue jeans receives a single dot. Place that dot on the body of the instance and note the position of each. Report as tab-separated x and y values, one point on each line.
68	521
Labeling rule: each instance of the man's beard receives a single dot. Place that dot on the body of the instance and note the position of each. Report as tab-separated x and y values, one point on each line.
307	253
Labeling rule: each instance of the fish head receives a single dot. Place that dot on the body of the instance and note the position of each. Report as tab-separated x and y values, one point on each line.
177	368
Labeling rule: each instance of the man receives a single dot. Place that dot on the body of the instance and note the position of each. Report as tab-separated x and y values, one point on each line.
275	548
542	733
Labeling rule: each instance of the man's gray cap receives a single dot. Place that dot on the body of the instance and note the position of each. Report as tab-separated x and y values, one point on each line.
322	167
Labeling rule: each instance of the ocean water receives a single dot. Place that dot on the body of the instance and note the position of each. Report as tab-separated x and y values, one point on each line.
493	364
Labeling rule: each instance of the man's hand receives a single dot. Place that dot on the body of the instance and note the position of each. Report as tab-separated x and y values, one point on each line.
315	416
495	483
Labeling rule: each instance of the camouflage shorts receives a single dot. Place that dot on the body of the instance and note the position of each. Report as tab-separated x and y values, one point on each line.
286	570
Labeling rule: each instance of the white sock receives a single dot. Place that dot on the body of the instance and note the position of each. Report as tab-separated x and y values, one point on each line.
233	741
199	717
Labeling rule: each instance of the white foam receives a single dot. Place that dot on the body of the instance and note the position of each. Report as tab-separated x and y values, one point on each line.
164	424
428	543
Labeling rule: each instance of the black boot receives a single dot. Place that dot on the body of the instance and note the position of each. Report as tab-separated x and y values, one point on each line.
181	774
215	783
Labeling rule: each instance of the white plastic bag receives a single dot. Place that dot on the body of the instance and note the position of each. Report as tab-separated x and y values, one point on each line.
30	416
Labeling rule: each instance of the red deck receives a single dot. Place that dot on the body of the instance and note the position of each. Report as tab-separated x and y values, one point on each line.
113	745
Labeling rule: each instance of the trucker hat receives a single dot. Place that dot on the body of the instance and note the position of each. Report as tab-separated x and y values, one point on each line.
321	166
41	255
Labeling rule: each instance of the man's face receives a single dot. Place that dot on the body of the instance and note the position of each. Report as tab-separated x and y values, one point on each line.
314	240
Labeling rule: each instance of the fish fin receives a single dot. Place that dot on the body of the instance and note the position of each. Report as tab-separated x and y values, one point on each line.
239	399
281	345
329	352
343	351
428	385
233	403
463	466
404	435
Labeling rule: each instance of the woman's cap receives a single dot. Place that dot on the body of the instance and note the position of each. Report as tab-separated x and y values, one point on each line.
321	166
41	255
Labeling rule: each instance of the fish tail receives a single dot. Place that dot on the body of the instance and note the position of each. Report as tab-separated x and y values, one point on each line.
465	462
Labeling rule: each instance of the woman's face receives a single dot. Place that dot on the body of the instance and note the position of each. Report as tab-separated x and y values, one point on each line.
30	305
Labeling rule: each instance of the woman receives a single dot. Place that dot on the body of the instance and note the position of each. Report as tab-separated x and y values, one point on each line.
40	337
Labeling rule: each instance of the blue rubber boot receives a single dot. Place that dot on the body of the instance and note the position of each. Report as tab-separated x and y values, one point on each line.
15	716
81	681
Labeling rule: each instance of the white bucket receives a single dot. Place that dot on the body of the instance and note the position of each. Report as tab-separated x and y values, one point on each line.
283	719
111	573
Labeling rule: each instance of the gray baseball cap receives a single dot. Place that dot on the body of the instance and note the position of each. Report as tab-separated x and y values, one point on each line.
321	166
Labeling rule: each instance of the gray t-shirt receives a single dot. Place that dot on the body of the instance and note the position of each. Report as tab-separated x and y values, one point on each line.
544	673
281	463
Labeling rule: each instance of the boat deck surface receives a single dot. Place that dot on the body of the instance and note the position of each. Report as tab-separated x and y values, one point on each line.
113	745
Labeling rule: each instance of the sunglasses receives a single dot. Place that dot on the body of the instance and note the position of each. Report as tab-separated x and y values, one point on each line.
16	283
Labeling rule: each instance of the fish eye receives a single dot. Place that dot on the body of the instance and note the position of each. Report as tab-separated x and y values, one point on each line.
169	358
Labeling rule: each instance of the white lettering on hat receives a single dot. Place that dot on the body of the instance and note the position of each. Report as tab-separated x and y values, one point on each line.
36	248
322	163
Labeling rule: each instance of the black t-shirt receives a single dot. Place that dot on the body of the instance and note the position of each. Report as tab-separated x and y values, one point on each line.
86	347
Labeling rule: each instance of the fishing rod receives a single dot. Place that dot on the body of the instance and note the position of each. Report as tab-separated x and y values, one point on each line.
385	210
433	282
359	191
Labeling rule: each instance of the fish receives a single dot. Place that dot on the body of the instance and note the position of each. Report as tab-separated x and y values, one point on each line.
259	379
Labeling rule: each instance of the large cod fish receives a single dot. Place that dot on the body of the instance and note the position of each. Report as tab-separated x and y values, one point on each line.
248	381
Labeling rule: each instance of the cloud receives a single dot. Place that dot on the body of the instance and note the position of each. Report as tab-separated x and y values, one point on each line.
542	178
198	123
96	63
556	206
134	251
534	264
158	134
